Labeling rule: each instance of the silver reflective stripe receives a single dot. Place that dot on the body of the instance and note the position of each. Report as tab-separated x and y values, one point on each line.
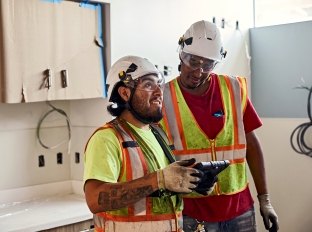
231	155
171	116
140	207
221	155
239	111
200	157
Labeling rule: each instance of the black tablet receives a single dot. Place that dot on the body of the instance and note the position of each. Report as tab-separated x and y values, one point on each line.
213	167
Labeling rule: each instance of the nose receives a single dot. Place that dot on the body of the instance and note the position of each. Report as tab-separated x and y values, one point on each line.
198	72
158	90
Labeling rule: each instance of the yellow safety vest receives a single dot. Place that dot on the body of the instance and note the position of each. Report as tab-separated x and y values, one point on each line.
143	215
191	142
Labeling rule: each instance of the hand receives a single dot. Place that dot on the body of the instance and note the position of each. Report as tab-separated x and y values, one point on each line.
178	177
267	212
206	184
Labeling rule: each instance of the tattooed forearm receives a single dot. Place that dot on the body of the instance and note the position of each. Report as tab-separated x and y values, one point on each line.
103	196
120	195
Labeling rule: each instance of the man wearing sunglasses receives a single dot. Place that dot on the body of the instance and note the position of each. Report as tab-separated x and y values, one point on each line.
210	117
132	181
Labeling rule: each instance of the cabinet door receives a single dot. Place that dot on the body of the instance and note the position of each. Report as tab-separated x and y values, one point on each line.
52	50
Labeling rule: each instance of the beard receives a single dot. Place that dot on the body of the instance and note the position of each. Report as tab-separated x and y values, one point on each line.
145	112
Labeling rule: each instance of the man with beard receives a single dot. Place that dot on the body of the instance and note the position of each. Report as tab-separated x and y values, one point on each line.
132	182
210	117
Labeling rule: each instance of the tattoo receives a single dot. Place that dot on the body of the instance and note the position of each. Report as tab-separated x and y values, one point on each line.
117	196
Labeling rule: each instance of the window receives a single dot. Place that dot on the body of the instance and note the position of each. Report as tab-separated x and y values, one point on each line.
268	12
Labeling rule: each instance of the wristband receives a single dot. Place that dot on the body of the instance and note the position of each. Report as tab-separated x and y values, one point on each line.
264	198
161	180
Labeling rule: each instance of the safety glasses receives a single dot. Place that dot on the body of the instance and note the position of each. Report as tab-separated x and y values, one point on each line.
197	62
149	82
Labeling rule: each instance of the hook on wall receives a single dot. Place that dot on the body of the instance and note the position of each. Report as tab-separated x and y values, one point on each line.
228	23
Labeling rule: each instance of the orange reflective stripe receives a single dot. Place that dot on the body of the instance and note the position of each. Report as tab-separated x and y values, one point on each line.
231	147
237	161
138	218
178	114
98	229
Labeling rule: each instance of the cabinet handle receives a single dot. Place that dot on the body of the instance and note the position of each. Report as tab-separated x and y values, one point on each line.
47	79
64	78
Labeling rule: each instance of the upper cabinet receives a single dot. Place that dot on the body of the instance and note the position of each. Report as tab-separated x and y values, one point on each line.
51	50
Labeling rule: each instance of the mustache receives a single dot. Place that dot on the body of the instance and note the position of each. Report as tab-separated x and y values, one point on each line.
157	99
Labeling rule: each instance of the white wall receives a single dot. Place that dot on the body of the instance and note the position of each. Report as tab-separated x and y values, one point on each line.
151	29
86	116
19	148
288	173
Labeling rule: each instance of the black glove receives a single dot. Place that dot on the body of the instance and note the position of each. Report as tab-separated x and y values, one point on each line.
206	184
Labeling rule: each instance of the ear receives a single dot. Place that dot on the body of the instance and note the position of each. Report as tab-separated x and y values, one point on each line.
179	67
124	93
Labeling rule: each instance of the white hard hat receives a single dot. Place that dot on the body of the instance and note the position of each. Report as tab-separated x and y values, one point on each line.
203	39
127	69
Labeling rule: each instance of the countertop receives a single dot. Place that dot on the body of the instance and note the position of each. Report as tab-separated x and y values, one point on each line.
43	213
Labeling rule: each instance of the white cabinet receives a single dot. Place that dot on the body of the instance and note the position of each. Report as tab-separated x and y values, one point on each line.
50	50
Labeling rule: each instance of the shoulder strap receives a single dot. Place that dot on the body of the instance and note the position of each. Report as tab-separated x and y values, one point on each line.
163	142
124	144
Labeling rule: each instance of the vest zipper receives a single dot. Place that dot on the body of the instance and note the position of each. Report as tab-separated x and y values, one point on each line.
213	158
213	150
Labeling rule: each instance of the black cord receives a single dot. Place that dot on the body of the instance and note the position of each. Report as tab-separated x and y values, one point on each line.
162	143
62	112
299	133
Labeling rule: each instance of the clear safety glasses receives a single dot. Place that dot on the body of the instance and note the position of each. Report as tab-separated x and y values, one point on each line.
197	62
148	82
